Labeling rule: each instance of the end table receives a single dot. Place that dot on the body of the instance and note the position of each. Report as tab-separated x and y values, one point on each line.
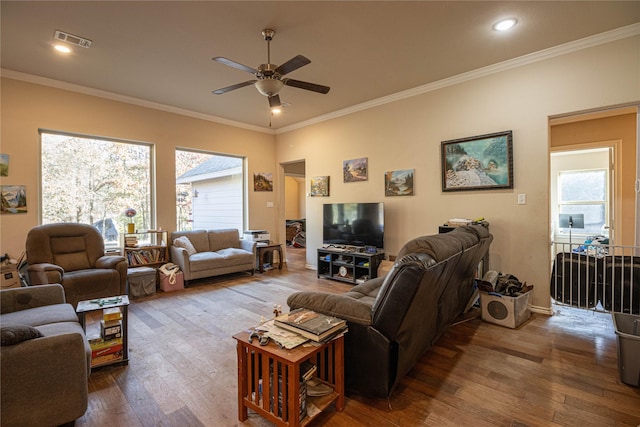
121	301
269	379
263	249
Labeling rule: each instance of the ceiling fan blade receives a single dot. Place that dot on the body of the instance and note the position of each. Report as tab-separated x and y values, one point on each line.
274	101
292	64
235	64
306	85
233	87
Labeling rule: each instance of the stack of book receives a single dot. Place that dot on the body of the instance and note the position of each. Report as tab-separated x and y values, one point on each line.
108	346
131	241
312	325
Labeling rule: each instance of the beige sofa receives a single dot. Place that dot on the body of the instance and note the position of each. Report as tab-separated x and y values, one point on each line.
206	253
45	358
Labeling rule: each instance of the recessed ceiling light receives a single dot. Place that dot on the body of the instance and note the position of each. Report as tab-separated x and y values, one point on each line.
504	24
62	49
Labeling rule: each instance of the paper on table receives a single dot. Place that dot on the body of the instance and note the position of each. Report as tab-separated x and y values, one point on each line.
283	337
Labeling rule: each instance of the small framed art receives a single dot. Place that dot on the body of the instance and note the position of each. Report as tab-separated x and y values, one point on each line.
355	170
320	186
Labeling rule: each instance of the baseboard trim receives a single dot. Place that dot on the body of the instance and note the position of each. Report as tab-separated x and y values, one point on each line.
542	310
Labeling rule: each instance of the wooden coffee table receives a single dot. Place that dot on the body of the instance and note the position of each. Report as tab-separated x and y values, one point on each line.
257	387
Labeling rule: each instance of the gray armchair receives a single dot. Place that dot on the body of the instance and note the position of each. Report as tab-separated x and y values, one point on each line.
45	358
73	255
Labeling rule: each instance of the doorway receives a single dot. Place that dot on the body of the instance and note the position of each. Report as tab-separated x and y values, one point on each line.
613	130
295	213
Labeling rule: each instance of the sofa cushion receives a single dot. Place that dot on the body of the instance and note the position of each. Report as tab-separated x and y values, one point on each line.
184	242
222	239
236	256
41	315
198	238
220	259
15	334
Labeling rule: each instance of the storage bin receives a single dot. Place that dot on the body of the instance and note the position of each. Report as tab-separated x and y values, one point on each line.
167	286
505	310
628	337
142	281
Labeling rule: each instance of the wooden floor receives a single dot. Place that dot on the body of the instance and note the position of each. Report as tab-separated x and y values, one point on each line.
552	371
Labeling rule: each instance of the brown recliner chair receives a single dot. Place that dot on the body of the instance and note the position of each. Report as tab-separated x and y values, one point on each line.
73	255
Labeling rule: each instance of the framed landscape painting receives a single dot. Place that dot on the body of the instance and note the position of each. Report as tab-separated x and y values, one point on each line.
14	199
320	186
262	181
4	165
398	183
481	162
355	170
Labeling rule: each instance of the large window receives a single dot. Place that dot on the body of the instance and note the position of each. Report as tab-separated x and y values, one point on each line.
93	181
209	191
584	192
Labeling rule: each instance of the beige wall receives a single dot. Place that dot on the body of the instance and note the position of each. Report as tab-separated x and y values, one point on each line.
292	198
26	107
406	135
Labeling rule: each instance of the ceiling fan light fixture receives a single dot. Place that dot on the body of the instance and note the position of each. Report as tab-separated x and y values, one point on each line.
269	87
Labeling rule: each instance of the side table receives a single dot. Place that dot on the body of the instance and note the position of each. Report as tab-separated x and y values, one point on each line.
269	379
121	301
263	250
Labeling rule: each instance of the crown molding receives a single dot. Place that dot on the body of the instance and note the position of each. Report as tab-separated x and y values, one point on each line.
542	55
30	78
563	49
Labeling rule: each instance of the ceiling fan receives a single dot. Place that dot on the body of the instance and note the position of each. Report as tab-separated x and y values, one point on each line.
269	79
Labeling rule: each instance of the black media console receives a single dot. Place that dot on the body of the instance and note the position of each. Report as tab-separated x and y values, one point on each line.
348	266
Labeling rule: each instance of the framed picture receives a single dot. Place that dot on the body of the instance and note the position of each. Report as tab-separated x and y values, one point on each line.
262	181
14	199
320	186
4	165
355	170
481	162
398	183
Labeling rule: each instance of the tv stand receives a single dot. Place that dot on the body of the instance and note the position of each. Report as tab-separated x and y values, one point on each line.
348	266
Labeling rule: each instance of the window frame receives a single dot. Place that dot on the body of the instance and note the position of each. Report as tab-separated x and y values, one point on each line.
152	214
561	204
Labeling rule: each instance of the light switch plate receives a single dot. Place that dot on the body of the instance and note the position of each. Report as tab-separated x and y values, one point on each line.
522	199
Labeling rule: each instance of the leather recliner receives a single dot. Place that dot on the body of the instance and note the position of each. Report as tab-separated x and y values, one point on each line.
394	320
72	255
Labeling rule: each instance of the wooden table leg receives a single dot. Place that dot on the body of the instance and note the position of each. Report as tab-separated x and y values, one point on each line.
339	379
242	382
279	249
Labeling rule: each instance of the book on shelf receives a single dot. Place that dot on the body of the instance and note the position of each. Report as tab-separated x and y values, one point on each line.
131	241
101	347
111	314
107	358
310	324
307	370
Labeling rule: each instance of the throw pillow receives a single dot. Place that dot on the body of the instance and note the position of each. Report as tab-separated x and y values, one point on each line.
184	242
15	334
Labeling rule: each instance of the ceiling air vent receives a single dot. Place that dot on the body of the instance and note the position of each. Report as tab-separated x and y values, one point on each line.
70	38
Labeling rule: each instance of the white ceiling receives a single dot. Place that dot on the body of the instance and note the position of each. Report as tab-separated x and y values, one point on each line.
160	51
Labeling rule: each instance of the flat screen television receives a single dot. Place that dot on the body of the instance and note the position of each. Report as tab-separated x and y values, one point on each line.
353	224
